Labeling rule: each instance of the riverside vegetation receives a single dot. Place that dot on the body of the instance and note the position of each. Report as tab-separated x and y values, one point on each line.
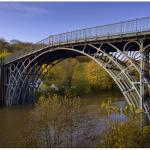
58	121
125	134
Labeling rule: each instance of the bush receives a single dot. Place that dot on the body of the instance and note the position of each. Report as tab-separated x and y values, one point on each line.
124	134
56	122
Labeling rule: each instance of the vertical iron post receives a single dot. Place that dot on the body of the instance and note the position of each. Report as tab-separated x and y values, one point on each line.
142	77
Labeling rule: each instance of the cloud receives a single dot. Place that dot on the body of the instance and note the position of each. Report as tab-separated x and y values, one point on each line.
23	7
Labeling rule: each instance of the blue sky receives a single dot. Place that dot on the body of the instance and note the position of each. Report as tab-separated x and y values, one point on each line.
33	21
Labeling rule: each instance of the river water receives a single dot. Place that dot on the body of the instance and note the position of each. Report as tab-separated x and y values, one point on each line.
13	120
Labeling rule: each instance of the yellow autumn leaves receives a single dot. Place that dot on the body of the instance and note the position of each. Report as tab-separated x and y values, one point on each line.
97	76
4	54
84	75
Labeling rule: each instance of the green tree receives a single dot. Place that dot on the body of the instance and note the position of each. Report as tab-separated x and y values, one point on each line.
79	78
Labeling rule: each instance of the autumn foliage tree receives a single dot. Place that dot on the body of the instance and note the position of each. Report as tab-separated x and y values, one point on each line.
97	77
3	55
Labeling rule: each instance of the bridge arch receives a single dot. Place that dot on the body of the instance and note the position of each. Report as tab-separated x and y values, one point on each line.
101	58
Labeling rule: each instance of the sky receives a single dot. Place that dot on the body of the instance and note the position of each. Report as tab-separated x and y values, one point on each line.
34	21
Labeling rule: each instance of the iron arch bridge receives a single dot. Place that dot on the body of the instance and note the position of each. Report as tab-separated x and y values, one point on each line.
122	49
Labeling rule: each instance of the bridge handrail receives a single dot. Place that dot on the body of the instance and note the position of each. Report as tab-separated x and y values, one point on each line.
125	27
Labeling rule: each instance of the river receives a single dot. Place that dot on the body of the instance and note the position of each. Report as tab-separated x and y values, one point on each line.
14	119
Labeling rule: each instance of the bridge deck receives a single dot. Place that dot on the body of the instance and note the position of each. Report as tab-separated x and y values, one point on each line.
111	32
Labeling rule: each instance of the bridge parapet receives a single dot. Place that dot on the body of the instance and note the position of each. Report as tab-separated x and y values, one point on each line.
133	27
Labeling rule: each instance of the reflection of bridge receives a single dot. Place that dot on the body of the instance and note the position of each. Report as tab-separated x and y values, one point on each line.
122	49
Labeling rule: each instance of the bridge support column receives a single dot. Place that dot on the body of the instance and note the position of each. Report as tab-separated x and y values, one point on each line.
2	85
142	79
144	82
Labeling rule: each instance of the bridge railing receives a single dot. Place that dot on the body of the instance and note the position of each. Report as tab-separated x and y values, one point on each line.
132	26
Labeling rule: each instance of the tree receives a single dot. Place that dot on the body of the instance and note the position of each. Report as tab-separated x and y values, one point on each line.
80	80
4	45
3	55
62	73
97	77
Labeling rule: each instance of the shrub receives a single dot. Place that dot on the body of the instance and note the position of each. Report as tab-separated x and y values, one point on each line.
124	134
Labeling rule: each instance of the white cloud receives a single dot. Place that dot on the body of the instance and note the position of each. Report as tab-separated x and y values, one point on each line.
23	7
